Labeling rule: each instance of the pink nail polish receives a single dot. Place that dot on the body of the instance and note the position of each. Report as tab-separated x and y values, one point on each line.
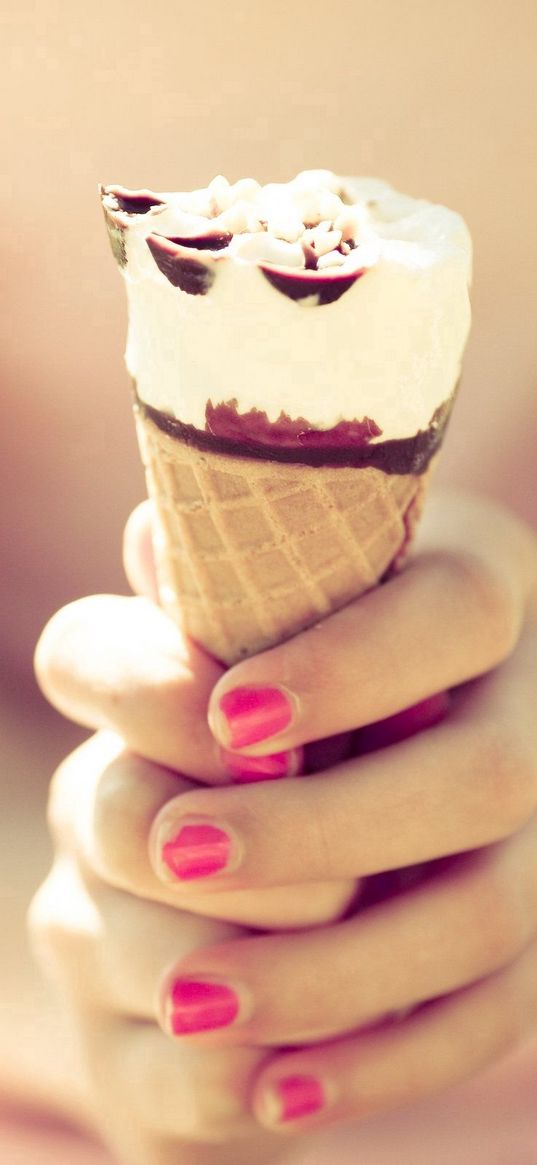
199	1007
299	1096
245	770
253	714
197	851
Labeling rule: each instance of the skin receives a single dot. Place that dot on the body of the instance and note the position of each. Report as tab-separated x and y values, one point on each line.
451	952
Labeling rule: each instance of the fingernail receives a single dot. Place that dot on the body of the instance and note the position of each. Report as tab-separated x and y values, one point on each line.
196	851
249	715
245	770
295	1097
193	1006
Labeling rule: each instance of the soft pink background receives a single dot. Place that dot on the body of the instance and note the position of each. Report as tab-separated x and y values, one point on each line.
438	98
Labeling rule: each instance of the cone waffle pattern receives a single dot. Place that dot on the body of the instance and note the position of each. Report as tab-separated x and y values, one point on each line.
250	552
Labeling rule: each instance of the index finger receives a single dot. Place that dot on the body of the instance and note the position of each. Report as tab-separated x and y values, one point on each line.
138	552
452	615
108	661
463	784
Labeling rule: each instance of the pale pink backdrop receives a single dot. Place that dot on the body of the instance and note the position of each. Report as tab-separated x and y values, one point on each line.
438	98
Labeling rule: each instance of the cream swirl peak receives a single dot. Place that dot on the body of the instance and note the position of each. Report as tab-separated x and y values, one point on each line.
226	286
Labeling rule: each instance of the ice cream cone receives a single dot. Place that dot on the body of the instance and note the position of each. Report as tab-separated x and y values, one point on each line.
295	351
250	552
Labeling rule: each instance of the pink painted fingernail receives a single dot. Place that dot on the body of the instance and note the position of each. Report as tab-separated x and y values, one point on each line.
193	1006
253	714
298	1096
245	770
197	851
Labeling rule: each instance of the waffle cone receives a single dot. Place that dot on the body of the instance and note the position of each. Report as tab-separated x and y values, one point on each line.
249	552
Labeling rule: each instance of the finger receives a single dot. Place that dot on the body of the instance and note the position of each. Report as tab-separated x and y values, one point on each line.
139	562
86	935
138	553
120	663
442	1043
183	1096
464	783
454	613
459	925
402	725
103	804
140	568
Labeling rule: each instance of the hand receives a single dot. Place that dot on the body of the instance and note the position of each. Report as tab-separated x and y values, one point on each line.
158	1104
121	664
104	925
457	948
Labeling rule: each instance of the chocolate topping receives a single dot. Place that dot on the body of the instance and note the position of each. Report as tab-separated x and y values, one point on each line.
135	201
213	241
347	444
310	258
176	263
124	202
298	284
321	239
254	428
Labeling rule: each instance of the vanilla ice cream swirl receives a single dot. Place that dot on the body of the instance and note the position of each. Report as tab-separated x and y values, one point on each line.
316	302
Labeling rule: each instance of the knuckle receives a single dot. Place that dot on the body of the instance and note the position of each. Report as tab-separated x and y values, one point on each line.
213	1090
102	803
511	1012
45	651
74	788
69	663
60	799
62	922
303	664
490	600
313	661
219	1111
123	799
510	770
129	792
498	917
223	1107
52	647
320	852
39	916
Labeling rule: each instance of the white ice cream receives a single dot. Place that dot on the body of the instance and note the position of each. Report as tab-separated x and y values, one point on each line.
390	348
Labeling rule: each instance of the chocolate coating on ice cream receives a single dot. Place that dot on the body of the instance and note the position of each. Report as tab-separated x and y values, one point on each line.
213	241
225	421
135	201
118	204
346	444
174	258
178	265
325	287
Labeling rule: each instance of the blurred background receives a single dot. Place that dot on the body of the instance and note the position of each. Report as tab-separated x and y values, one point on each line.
437	98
